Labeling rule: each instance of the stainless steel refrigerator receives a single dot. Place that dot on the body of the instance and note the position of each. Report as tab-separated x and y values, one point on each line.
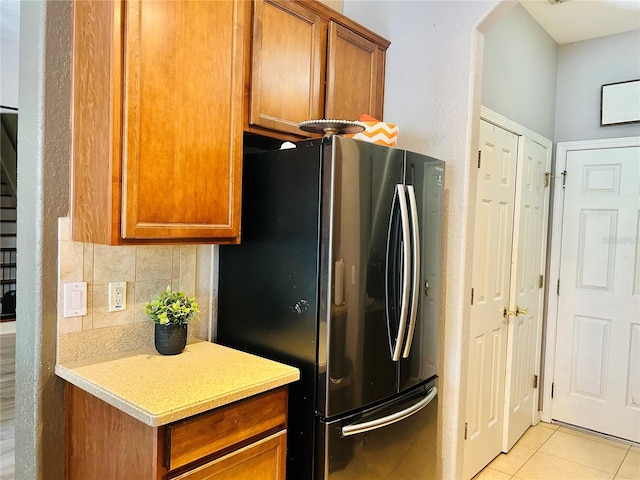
338	273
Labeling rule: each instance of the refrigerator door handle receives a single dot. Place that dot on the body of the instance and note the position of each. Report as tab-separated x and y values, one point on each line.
415	247
406	272
357	428
389	295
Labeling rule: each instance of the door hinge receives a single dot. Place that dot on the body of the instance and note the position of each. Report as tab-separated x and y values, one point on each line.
472	296
466	426
540	281
552	385
479	158
547	178
558	287
535	381
564	178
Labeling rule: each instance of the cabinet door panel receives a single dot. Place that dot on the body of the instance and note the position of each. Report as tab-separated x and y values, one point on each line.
182	154
287	66
355	75
262	460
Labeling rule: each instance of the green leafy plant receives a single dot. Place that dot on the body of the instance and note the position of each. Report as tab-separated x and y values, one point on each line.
172	308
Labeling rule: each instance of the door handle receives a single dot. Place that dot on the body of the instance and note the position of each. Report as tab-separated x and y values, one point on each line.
406	272
357	428
518	311
415	262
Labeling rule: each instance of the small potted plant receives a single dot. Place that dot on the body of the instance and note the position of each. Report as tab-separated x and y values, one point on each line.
171	312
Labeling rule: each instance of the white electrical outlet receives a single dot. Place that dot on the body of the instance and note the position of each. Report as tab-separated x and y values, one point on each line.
117	296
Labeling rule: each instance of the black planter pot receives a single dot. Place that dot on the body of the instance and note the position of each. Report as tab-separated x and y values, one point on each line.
170	339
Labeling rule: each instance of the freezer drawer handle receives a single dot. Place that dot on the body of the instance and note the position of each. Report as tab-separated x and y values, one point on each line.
390	419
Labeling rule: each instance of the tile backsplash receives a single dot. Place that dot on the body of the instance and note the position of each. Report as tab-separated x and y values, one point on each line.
147	270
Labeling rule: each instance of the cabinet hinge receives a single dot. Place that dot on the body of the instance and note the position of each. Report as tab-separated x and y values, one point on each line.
564	178
479	158
466	426
547	178
540	281
558	287
552	385
535	381
472	296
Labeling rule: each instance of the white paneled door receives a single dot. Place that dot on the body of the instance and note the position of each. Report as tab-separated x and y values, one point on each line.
597	361
493	238
508	260
526	299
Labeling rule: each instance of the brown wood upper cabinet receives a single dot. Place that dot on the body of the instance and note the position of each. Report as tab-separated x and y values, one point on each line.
157	92
310	62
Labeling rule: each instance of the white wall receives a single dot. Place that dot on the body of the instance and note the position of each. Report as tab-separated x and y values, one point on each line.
519	72
8	73
584	67
430	92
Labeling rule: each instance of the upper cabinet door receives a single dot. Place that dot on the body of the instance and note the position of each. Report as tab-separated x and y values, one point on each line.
287	70
182	119
355	75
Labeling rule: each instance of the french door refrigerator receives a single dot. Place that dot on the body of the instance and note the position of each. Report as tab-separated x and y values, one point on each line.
338	274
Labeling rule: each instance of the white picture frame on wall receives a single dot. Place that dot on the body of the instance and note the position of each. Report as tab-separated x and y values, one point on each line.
620	103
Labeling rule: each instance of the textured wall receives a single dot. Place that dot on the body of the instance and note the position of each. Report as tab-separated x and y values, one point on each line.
43	140
519	72
432	92
584	67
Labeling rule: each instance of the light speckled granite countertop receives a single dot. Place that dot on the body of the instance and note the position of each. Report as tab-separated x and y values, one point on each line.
158	389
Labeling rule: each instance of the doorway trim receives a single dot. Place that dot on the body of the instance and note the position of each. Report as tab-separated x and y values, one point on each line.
555	244
503	122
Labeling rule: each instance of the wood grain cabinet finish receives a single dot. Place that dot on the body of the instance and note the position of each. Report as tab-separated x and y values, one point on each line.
287	65
310	62
243	440
157	92
355	75
262	460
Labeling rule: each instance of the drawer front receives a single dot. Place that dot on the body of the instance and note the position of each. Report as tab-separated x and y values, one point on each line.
261	460
211	432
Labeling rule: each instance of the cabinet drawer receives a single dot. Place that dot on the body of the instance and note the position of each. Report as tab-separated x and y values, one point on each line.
211	432
262	460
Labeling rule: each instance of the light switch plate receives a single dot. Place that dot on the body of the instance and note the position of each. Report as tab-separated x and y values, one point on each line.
75	299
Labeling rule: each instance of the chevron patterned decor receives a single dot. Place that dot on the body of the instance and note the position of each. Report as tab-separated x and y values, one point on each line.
377	132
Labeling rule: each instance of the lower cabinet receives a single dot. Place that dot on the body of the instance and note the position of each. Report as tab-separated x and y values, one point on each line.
242	440
264	459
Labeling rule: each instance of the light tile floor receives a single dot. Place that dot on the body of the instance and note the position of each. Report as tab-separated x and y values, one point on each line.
549	452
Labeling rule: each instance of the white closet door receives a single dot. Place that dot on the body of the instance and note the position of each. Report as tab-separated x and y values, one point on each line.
491	274
597	365
526	299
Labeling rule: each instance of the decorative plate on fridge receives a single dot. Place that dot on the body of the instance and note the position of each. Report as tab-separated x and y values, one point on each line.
331	127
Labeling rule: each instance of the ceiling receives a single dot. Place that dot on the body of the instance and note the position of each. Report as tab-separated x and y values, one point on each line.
576	20
565	20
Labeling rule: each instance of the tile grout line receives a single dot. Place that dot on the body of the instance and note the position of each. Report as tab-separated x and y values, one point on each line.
536	450
588	466
622	462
